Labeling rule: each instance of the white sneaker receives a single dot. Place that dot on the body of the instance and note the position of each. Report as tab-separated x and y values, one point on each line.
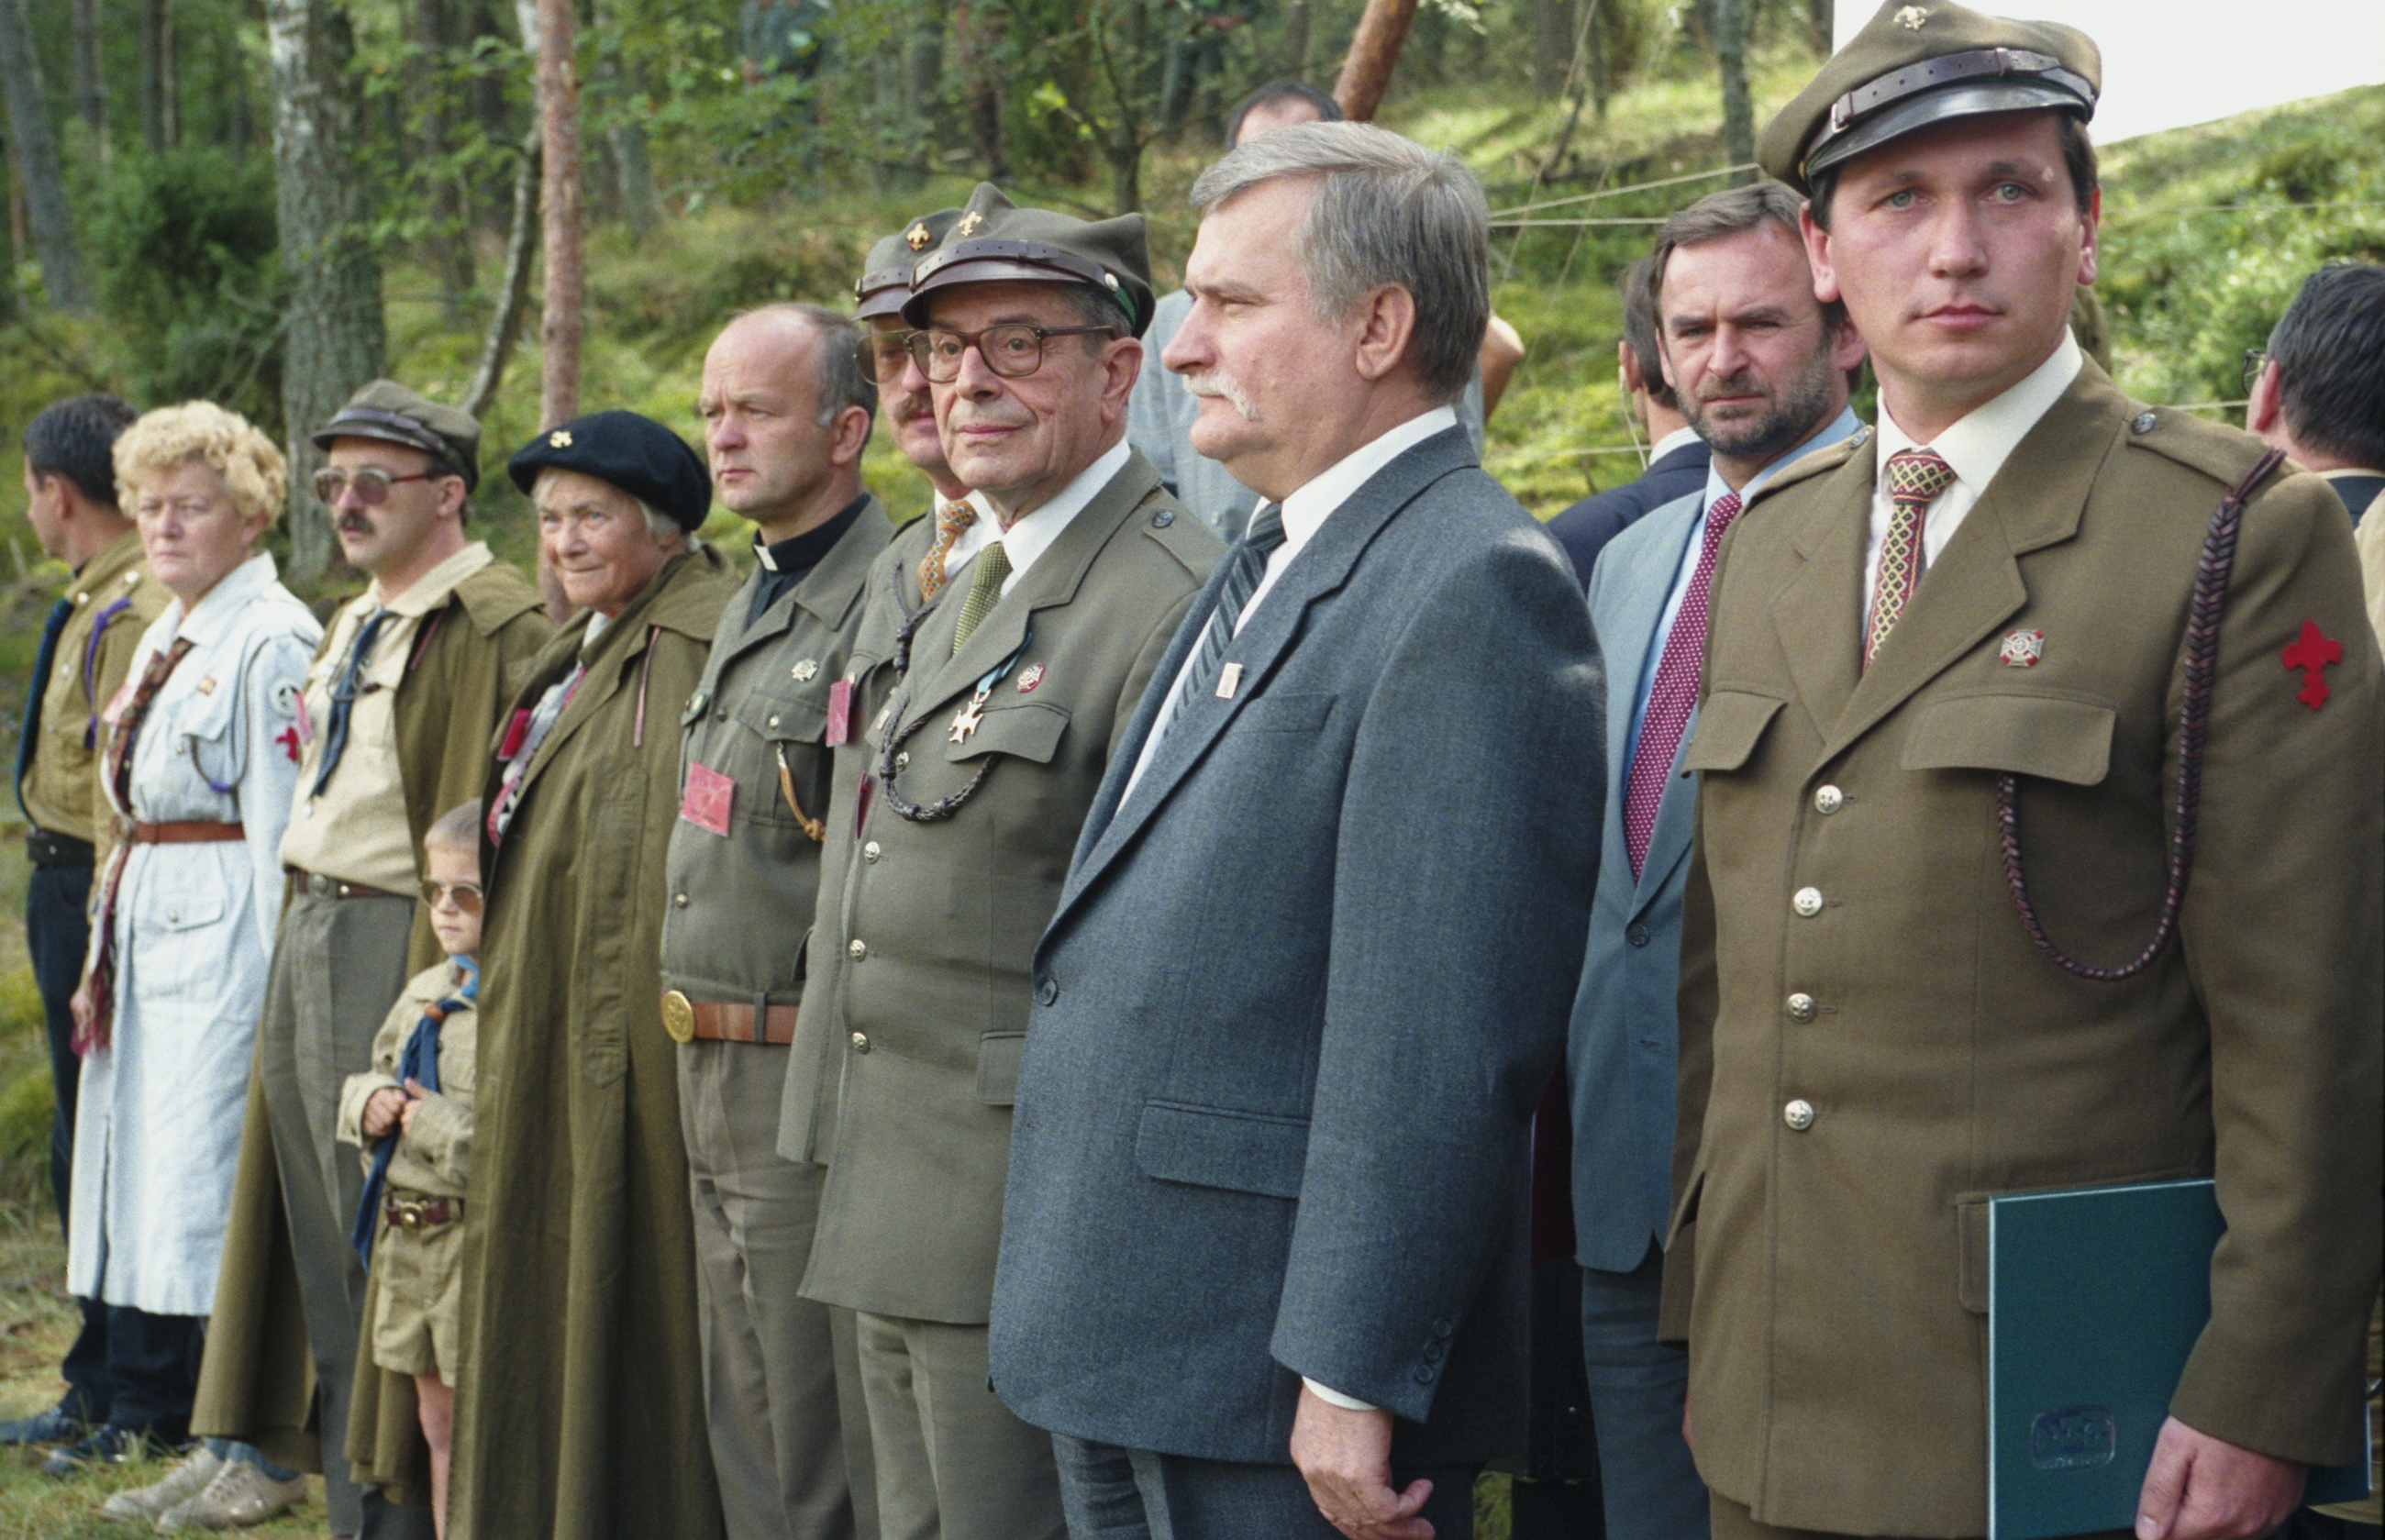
181	1484
238	1495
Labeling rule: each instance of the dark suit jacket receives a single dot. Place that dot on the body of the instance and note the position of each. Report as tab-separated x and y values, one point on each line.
1301	993
1584	528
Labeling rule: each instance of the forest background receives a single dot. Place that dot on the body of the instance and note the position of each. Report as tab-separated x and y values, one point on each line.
267	201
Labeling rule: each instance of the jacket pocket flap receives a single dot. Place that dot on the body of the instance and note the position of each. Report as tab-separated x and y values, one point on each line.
1729	725
1030	732
1216	1147
999	1055
784	718
2050	736
1284	713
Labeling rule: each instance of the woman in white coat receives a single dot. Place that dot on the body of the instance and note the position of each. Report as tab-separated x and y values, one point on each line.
201	760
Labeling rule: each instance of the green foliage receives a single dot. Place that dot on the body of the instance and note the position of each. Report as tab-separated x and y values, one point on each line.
183	244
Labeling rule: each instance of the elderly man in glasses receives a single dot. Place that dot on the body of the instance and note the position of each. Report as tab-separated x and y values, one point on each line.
1018	646
391	728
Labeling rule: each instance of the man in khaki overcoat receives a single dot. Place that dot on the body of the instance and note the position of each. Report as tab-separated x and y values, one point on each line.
1878	1033
956	808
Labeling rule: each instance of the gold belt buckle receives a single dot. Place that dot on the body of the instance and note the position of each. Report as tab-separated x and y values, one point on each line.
406	1214
678	1017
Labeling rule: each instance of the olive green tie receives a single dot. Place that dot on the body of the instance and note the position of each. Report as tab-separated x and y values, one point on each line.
984	592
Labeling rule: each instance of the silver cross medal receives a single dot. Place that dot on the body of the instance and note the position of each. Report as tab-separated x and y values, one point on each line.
965	720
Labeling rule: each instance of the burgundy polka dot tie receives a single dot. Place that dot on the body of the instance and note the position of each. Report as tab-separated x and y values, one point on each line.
1673	693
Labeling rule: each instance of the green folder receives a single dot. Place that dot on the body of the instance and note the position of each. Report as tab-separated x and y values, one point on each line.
2096	1297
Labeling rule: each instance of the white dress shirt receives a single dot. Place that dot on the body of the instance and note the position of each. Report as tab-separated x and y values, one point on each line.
974	538
1033	533
1976	446
1303	512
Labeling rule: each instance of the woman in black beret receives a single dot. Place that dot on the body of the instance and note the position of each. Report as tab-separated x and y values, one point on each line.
582	1368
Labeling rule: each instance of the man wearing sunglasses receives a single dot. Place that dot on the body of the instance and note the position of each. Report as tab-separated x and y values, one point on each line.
955	809
391	729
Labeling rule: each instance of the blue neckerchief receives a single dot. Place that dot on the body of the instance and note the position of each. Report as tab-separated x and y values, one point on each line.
419	1064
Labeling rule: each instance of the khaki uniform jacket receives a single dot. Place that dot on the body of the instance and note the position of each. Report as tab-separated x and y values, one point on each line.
906	1061
741	903
256	1382
115	599
434	1155
1836	1327
579	1245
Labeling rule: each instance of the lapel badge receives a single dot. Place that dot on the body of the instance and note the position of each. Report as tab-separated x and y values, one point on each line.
1030	678
917	237
2021	649
207	685
559	439
1911	18
806	671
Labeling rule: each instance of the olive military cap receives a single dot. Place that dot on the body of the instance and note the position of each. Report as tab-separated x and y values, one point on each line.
389	412
885	281
625	449
1919	62
994	240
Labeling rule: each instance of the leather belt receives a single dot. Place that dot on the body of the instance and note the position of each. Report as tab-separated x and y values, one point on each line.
185	831
421	1213
317	885
46	848
688	1020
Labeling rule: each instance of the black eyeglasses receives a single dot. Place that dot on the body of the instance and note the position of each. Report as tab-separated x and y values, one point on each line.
2255	360
372	485
465	894
883	356
1013	351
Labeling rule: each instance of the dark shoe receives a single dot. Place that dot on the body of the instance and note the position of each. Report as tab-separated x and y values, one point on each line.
109	1444
57	1426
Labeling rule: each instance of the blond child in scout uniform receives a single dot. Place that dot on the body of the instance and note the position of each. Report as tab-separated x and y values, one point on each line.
413	1113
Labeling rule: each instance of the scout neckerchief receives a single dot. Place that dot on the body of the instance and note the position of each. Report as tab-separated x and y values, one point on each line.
93	1034
527	731
419	1064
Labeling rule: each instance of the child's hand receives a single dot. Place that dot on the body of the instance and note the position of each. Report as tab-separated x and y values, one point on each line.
414	1095
385	1111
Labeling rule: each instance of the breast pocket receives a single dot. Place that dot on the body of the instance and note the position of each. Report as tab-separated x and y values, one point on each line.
785	733
2054	737
1030	732
1289	713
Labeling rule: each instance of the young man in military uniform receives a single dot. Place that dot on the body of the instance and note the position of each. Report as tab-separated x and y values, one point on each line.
86	647
1938	944
787	412
955	806
392	732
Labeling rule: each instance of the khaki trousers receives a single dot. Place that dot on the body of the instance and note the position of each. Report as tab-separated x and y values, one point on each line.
954	1463
782	1383
1732	1522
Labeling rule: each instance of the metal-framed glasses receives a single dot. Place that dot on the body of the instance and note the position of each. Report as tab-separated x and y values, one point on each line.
465	894
2255	360
371	484
1013	350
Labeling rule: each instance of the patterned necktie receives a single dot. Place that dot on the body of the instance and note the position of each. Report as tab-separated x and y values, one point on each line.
1246	564
1673	693
35	688
343	697
984	592
94	1033
419	1064
952	521
1915	477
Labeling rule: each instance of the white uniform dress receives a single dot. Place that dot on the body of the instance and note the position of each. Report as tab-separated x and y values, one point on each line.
157	1131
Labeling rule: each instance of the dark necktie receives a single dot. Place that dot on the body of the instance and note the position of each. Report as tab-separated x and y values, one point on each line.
1672	692
1246	564
419	1064
343	697
118	767
37	688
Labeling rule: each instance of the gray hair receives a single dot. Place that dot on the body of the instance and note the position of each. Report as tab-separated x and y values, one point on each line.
841	381
661	527
1388	211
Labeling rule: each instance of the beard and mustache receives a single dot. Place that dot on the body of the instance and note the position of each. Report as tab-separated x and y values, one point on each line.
1797	408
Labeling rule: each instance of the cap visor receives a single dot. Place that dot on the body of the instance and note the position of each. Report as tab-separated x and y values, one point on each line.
1969	99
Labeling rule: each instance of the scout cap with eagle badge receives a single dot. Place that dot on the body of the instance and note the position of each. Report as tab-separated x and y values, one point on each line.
885	281
1919	62
995	242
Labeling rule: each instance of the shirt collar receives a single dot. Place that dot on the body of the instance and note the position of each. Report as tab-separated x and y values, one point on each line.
800	553
1978	445
1306	509
431	590
118	563
1033	533
1680	438
1843	426
206	623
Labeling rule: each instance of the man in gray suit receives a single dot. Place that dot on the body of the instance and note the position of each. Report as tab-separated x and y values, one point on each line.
1263	1254
1761	368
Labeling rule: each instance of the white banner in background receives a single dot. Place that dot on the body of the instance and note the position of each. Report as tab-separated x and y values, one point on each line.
2191	61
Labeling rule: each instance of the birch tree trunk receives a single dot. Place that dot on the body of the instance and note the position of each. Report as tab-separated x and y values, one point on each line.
1737	113
332	339
48	224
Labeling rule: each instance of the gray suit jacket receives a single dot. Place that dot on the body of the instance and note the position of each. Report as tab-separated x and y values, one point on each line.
1620	1053
1301	994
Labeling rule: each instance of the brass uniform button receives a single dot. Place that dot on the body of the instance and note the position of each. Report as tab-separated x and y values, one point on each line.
1807	903
678	1017
861	1042
870	852
902	759
857	950
678	901
1829	799
1802	1008
1798	1114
